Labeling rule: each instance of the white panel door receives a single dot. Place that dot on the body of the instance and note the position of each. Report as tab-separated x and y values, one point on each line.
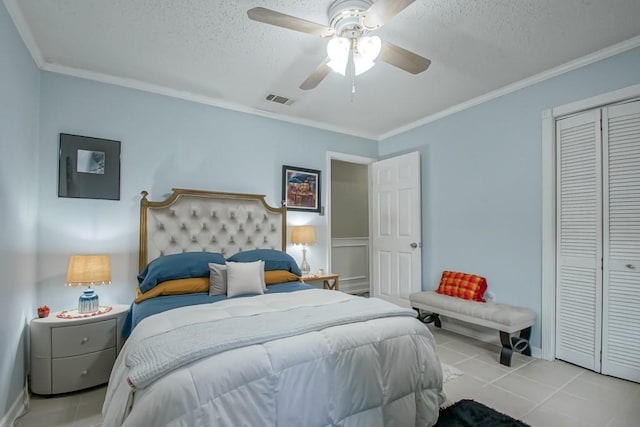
621	284
579	237
396	231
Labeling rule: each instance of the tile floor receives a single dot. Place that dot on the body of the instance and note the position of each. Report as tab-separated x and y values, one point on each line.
81	409
540	393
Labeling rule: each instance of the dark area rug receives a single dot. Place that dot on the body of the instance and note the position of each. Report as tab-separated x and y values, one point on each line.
469	413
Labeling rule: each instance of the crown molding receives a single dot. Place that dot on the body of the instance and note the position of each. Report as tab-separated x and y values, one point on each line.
529	81
189	96
29	40
25	31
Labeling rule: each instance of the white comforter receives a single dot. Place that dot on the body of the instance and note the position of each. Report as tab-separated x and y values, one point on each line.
379	372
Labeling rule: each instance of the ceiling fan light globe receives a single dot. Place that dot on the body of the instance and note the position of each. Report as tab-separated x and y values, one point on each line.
338	67
362	64
338	52
369	47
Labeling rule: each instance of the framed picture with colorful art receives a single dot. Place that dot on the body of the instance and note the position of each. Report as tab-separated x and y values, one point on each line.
301	188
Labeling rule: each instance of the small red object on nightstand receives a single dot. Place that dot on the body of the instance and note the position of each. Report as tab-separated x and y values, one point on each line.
43	311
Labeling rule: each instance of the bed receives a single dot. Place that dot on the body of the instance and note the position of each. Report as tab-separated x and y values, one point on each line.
266	349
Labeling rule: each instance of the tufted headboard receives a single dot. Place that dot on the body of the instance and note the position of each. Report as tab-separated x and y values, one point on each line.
196	220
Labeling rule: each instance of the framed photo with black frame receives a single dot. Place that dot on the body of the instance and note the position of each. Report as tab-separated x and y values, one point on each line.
88	167
301	189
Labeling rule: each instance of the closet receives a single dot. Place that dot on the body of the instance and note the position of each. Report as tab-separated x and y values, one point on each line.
598	240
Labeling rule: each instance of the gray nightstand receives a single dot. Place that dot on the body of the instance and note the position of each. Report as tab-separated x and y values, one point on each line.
73	354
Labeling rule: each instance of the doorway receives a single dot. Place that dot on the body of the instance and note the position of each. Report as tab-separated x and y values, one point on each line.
348	221
393	217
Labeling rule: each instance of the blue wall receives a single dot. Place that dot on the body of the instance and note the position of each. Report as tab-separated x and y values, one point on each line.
19	86
481	169
482	174
166	143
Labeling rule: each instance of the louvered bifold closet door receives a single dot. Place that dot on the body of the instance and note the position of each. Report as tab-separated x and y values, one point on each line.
621	284
579	251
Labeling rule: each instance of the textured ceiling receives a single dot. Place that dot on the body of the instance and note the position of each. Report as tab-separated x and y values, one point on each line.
212	50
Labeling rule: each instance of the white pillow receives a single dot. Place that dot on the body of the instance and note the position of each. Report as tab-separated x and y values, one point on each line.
245	278
217	279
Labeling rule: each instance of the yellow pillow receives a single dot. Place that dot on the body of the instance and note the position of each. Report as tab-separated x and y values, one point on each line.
175	287
279	276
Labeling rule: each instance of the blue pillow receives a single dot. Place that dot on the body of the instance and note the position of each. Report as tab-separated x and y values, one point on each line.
177	266
273	260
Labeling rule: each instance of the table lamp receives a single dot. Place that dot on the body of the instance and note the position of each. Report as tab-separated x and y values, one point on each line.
87	270
303	235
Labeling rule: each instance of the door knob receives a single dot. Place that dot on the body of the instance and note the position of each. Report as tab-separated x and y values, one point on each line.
630	266
414	245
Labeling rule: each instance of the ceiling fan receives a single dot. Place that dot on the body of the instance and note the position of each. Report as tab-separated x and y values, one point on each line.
350	48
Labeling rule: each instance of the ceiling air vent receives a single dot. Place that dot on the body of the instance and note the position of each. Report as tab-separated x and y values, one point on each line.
279	99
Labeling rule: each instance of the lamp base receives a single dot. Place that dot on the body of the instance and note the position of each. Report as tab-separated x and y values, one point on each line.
88	302
304	267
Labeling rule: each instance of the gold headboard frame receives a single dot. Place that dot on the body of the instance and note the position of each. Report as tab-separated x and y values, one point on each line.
197	220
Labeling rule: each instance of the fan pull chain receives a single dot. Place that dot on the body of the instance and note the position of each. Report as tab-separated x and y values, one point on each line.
352	72
353	86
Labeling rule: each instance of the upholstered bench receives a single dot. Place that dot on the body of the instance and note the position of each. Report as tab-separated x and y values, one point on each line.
507	319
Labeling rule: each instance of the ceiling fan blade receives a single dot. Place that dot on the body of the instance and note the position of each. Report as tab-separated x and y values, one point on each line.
403	58
317	76
382	11
278	19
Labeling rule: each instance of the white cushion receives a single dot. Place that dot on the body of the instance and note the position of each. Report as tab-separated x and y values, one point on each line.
217	279
504	317
245	278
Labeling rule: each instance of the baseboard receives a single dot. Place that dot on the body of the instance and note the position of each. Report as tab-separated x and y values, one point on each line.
480	333
14	411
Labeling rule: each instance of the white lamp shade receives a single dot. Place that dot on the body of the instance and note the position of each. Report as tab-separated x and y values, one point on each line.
338	51
303	235
368	50
87	270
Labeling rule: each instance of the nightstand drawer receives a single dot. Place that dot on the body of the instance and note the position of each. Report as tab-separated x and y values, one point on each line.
82	339
88	370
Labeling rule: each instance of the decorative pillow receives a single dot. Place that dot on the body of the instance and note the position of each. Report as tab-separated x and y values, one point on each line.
175	287
279	276
462	285
273	260
245	278
177	266
217	279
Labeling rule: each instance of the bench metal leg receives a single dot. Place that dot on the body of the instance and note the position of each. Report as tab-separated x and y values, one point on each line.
436	320
525	334
506	352
429	318
519	344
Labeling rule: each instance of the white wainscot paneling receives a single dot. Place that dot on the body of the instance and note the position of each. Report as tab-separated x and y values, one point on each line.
350	259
